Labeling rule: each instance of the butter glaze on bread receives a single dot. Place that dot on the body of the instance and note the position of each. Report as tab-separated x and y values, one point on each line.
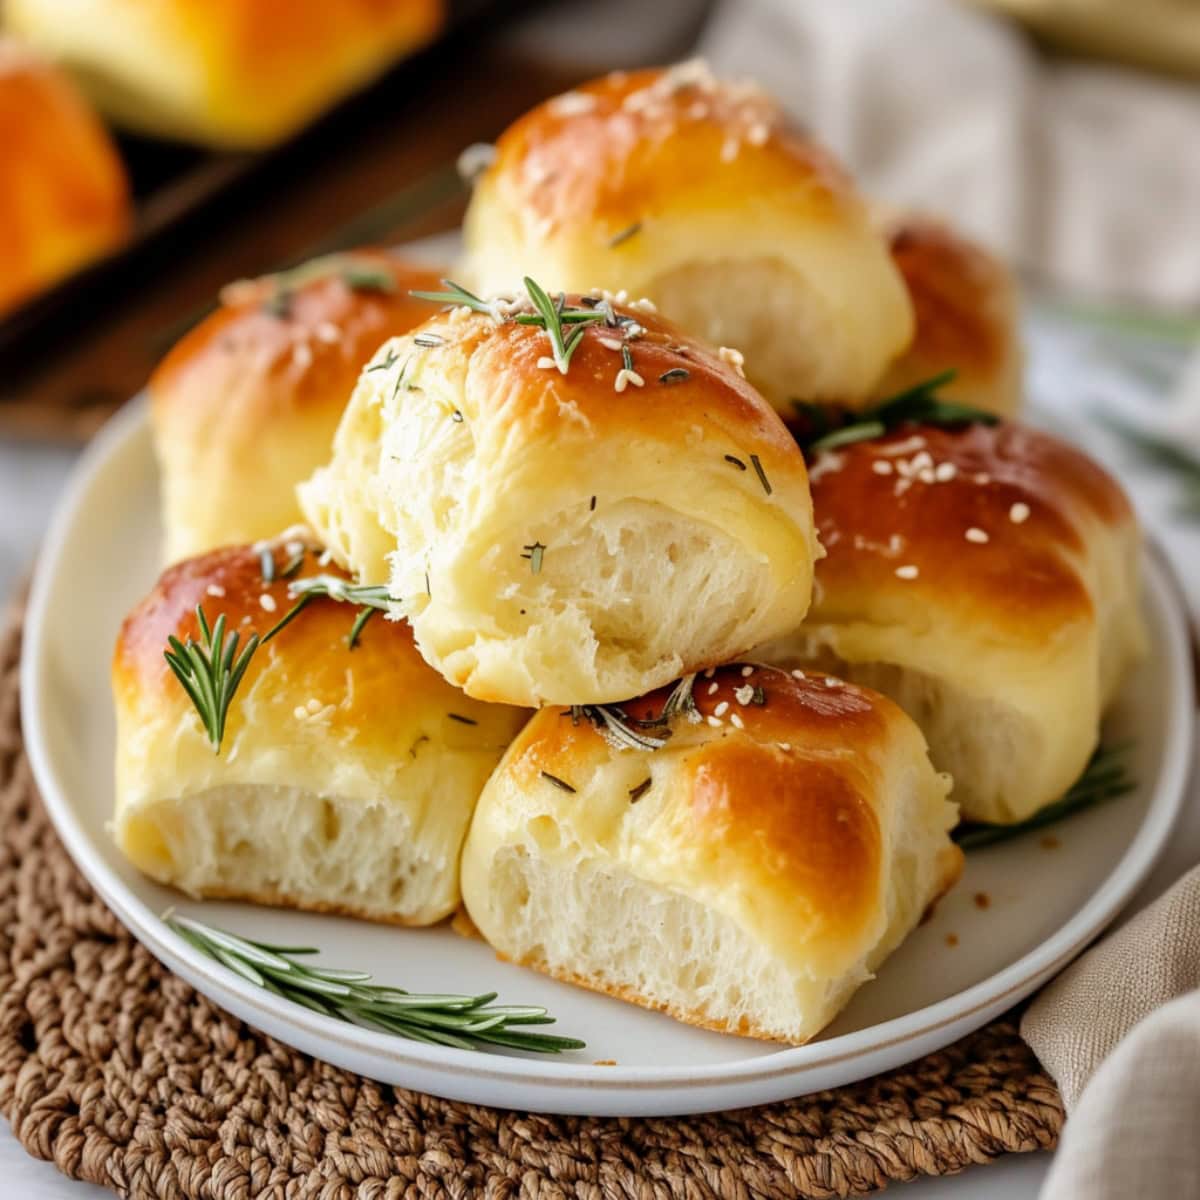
343	784
245	406
236	73
778	854
966	305
555	539
986	580
64	198
702	196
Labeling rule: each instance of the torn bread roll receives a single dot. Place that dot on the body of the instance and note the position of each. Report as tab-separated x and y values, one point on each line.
345	778
987	579
701	195
748	876
568	536
245	405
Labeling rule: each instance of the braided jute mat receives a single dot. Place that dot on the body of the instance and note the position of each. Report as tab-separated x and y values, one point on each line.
121	1074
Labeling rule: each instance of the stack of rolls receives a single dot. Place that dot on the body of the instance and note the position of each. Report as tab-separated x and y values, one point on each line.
677	696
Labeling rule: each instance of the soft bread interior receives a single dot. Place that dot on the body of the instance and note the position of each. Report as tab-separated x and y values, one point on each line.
618	593
291	846
605	929
989	749
794	342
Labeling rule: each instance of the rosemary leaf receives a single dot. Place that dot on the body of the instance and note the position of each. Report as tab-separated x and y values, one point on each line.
629	231
918	404
455	295
362	278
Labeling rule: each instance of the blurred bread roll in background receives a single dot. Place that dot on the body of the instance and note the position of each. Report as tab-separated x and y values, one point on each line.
702	196
967	315
987	579
746	877
64	197
574	537
231	73
346	777
245	405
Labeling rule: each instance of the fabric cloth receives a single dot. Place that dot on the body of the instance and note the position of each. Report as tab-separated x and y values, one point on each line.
1077	1021
1081	172
1133	1131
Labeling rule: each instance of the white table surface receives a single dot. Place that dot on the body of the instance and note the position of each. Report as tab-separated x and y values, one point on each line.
31	476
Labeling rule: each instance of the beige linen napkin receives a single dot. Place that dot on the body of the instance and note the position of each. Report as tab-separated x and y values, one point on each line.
1085	174
1133	1132
1120	1032
1077	1020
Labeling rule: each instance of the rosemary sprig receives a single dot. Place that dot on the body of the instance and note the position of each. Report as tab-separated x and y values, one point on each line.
210	670
552	316
457	296
373	595
370	598
465	1022
362	278
547	314
358	276
918	404
1104	778
624	732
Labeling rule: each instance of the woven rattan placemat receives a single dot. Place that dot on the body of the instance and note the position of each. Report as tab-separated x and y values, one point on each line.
121	1074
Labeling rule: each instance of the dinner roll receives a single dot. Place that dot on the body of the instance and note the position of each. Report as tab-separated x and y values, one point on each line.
345	778
986	578
245	406
702	196
966	307
746	877
235	73
64	198
570	537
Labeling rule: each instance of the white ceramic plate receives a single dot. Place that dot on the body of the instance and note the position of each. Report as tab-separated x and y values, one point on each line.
1022	910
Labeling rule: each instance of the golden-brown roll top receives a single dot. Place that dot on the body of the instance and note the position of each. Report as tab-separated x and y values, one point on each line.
572	536
747	875
986	578
346	774
994	522
965	302
236	73
245	405
702	196
64	198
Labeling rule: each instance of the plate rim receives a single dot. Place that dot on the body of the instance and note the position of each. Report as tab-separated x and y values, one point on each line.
1003	987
